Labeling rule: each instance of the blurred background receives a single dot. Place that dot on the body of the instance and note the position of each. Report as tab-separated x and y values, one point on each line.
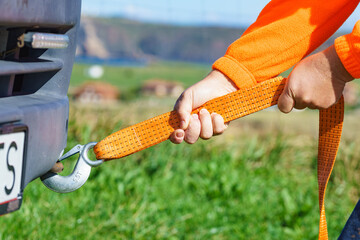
256	181
143	48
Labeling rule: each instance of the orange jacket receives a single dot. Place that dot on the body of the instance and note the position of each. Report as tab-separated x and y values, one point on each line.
284	33
348	50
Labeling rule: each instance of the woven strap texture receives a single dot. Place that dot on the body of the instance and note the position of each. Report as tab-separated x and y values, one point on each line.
232	106
330	128
158	129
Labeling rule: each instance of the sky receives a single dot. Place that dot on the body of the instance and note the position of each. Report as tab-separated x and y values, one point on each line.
187	12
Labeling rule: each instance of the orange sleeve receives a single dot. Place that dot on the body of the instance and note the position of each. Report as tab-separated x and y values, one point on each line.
284	33
348	50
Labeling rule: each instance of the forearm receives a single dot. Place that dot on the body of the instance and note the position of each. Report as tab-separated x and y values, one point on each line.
284	33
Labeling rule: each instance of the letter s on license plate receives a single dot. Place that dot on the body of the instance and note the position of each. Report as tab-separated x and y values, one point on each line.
12	149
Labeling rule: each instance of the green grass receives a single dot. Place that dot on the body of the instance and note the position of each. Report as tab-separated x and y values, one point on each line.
238	186
128	78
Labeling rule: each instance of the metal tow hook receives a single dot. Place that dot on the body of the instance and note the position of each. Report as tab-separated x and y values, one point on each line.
81	172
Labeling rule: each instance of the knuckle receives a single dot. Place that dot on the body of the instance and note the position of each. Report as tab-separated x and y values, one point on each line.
181	100
186	94
306	100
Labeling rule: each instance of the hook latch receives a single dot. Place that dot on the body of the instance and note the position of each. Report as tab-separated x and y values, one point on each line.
80	174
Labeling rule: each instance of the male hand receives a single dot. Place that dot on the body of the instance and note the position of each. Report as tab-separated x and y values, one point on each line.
203	124
317	82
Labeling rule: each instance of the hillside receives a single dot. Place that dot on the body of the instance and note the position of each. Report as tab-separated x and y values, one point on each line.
124	39
116	38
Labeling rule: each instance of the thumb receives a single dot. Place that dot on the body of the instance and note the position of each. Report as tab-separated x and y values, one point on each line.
286	100
183	107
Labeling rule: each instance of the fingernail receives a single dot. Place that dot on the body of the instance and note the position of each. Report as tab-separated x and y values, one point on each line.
195	116
179	134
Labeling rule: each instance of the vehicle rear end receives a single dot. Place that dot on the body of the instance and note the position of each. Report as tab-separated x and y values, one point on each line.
33	90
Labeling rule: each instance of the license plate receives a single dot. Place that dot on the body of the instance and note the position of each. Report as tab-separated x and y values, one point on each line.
12	149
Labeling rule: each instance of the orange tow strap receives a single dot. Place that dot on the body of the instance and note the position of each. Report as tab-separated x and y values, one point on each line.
232	106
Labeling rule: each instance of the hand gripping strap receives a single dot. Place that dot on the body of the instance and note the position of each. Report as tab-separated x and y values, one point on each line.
158	129
232	106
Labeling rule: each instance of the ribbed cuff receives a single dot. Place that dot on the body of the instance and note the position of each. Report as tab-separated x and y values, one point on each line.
343	47
234	70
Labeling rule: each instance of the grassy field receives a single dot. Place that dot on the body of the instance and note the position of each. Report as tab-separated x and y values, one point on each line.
128	78
256	181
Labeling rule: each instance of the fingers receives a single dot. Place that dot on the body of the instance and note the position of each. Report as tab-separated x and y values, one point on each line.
177	136
293	96
286	100
184	106
218	123
296	97
204	125
214	85
192	133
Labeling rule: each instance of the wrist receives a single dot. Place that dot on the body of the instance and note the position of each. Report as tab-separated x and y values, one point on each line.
219	77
